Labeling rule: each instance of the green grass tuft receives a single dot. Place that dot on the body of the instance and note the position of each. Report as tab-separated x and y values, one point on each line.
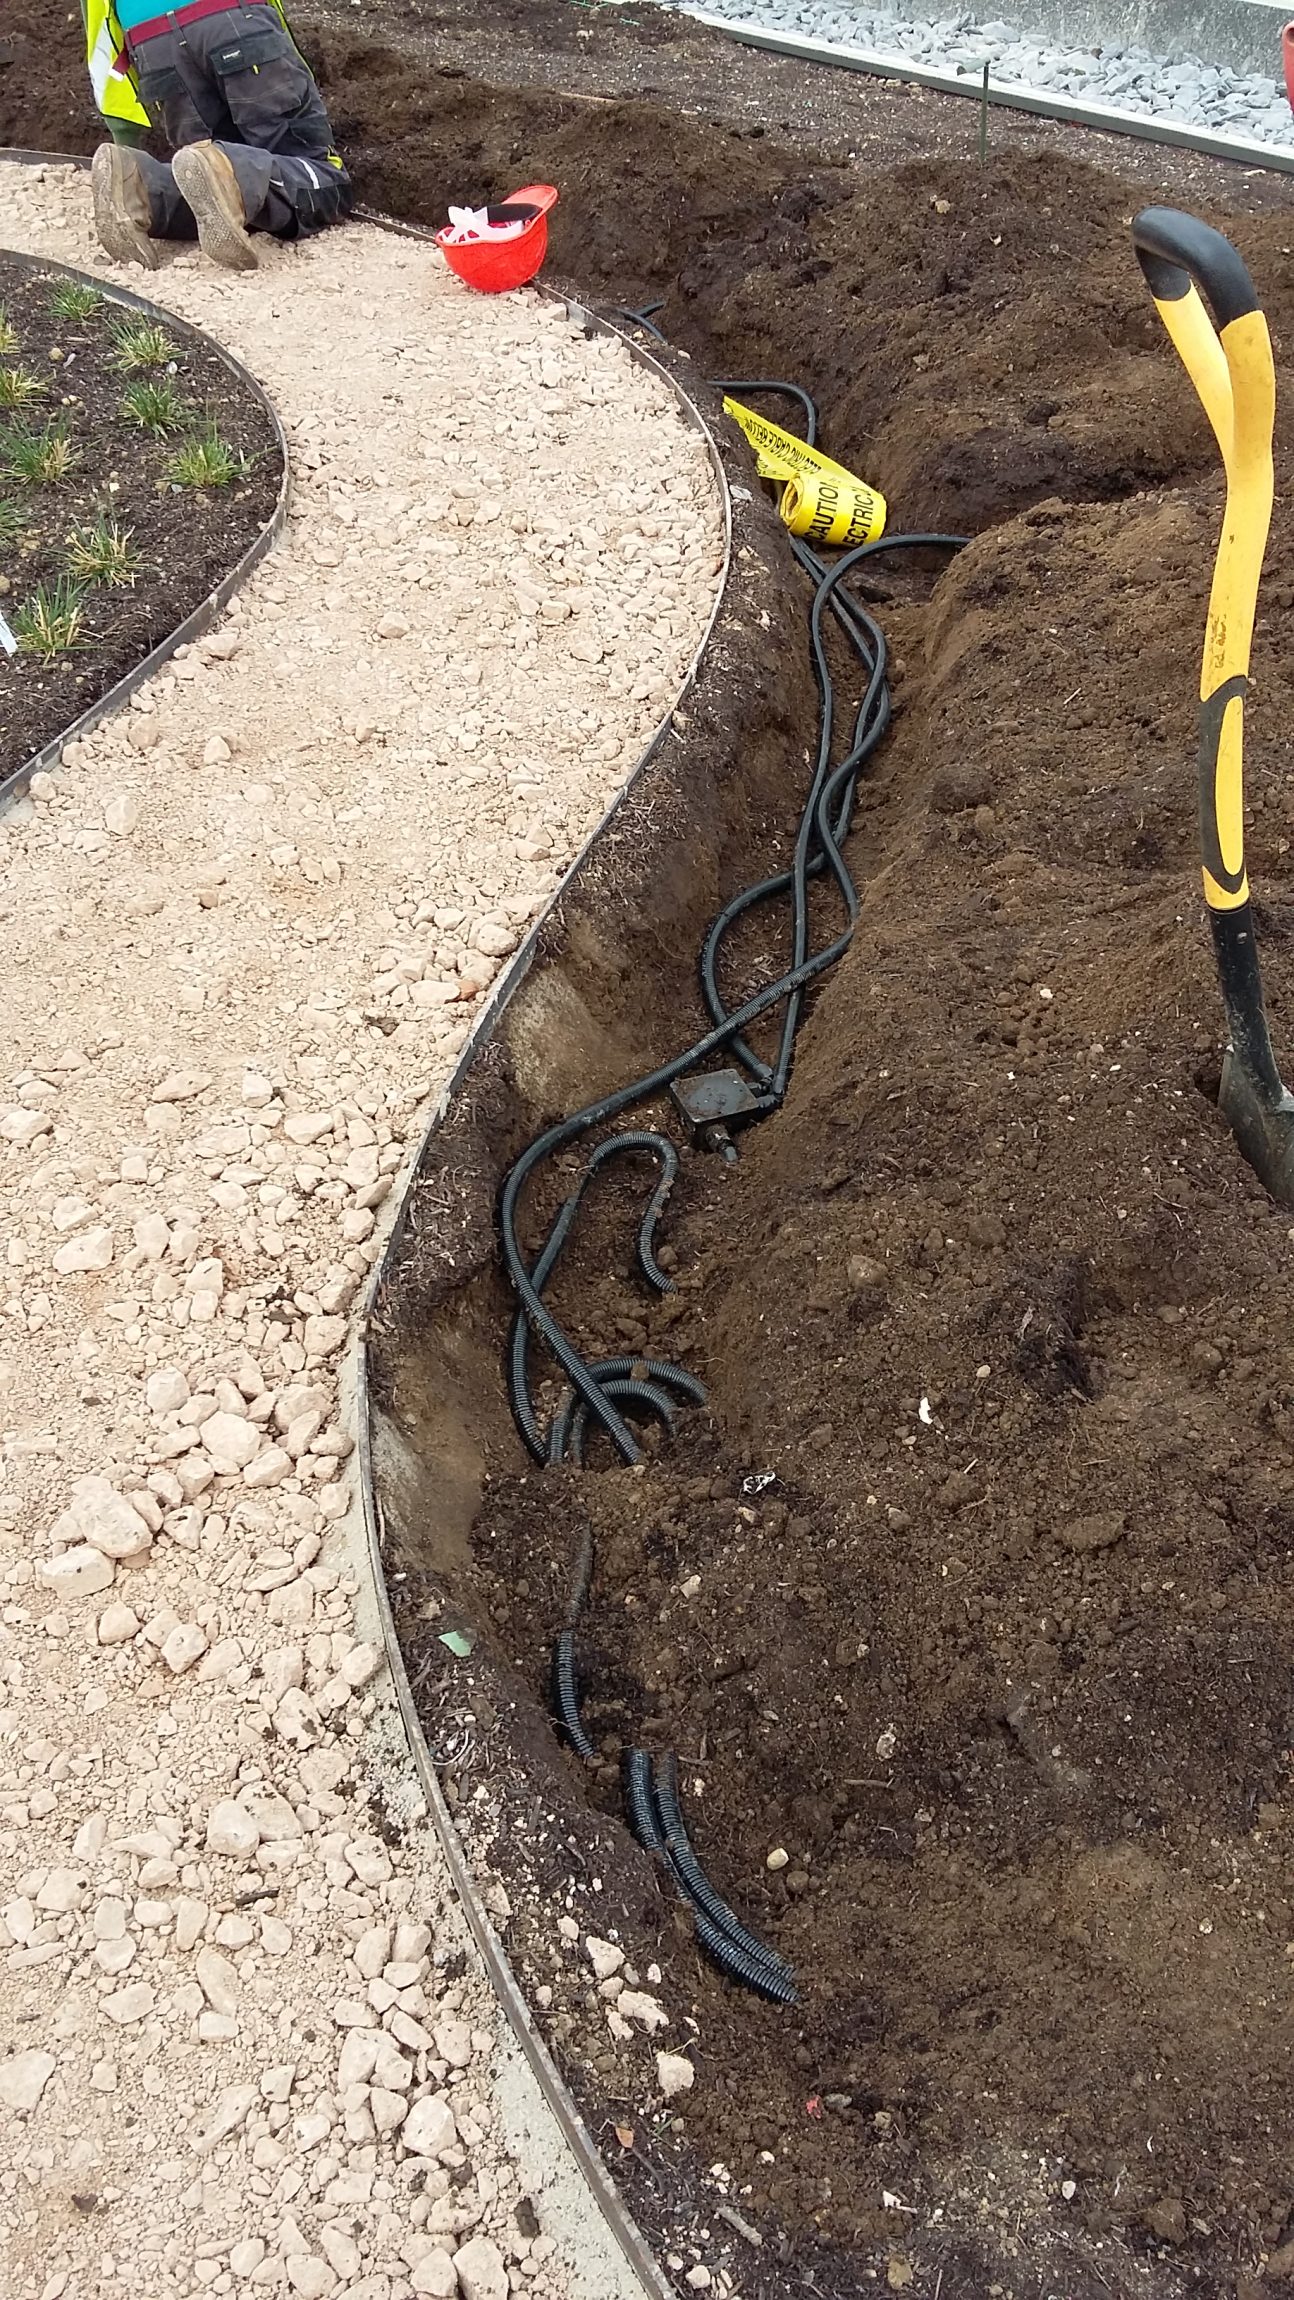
100	552
206	461
38	455
13	523
155	405
19	387
140	343
71	299
49	624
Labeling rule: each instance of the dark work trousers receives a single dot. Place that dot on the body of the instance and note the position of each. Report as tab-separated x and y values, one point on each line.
236	80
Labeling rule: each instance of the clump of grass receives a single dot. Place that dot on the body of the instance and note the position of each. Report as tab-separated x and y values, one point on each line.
206	461
155	405
39	455
100	552
13	523
139	344
8	337
19	387
50	623
71	299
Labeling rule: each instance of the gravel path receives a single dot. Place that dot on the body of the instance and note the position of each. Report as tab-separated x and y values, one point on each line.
1125	78
244	2043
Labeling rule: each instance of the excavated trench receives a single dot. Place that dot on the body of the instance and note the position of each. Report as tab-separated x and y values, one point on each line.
999	1657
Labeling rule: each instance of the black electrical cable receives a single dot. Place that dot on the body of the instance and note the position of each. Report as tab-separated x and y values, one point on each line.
640	1797
598	1389
566	1696
819	840
778	1978
665	1376
657	1822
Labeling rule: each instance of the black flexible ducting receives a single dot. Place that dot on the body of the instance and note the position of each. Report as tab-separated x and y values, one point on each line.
695	1885
823	825
599	1388
553	1447
566	1696
640	1797
656	1818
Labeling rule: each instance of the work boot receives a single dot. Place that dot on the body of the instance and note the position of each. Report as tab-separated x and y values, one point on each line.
206	177
122	214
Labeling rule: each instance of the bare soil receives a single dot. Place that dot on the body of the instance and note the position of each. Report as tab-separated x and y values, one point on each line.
1000	1658
185	540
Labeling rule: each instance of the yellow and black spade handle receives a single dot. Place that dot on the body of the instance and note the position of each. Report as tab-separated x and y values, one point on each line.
1207	302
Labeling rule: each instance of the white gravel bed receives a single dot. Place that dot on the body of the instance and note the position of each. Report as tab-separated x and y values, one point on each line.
244	2042
1127	79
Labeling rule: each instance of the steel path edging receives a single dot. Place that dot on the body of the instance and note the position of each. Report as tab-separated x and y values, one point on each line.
624	2229
208	610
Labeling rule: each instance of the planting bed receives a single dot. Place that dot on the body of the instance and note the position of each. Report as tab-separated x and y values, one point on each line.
181	539
999	1658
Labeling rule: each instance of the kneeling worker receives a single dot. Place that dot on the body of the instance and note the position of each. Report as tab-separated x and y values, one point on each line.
253	148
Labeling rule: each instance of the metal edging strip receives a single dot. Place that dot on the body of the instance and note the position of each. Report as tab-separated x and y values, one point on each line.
584	2149
1046	102
200	618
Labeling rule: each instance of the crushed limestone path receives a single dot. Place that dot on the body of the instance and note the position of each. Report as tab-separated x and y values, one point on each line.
244	2043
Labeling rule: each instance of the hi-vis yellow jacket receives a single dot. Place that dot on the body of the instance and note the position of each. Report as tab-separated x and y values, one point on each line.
111	77
116	91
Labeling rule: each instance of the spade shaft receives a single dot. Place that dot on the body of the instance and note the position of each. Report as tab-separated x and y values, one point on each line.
1208	304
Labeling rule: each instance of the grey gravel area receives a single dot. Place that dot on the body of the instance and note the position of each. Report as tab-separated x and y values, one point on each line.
1124	78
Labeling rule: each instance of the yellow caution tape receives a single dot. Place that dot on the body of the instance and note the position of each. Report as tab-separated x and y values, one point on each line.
827	507
821	500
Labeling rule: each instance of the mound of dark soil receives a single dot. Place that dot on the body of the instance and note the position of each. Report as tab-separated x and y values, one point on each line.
998	1659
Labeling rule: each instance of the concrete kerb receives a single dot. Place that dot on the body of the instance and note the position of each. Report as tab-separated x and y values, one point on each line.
1047	103
1237	35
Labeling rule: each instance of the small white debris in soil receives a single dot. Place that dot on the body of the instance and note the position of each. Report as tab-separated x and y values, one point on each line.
634	2005
886	1744
674	2074
779	1858
604	1956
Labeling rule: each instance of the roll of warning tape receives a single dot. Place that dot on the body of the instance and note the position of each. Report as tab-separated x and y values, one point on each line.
821	500
833	508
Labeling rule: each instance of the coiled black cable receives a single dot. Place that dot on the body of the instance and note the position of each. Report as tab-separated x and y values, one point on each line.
599	1388
567	1427
823	826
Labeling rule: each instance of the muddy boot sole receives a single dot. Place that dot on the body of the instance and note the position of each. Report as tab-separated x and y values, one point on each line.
210	186
121	207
